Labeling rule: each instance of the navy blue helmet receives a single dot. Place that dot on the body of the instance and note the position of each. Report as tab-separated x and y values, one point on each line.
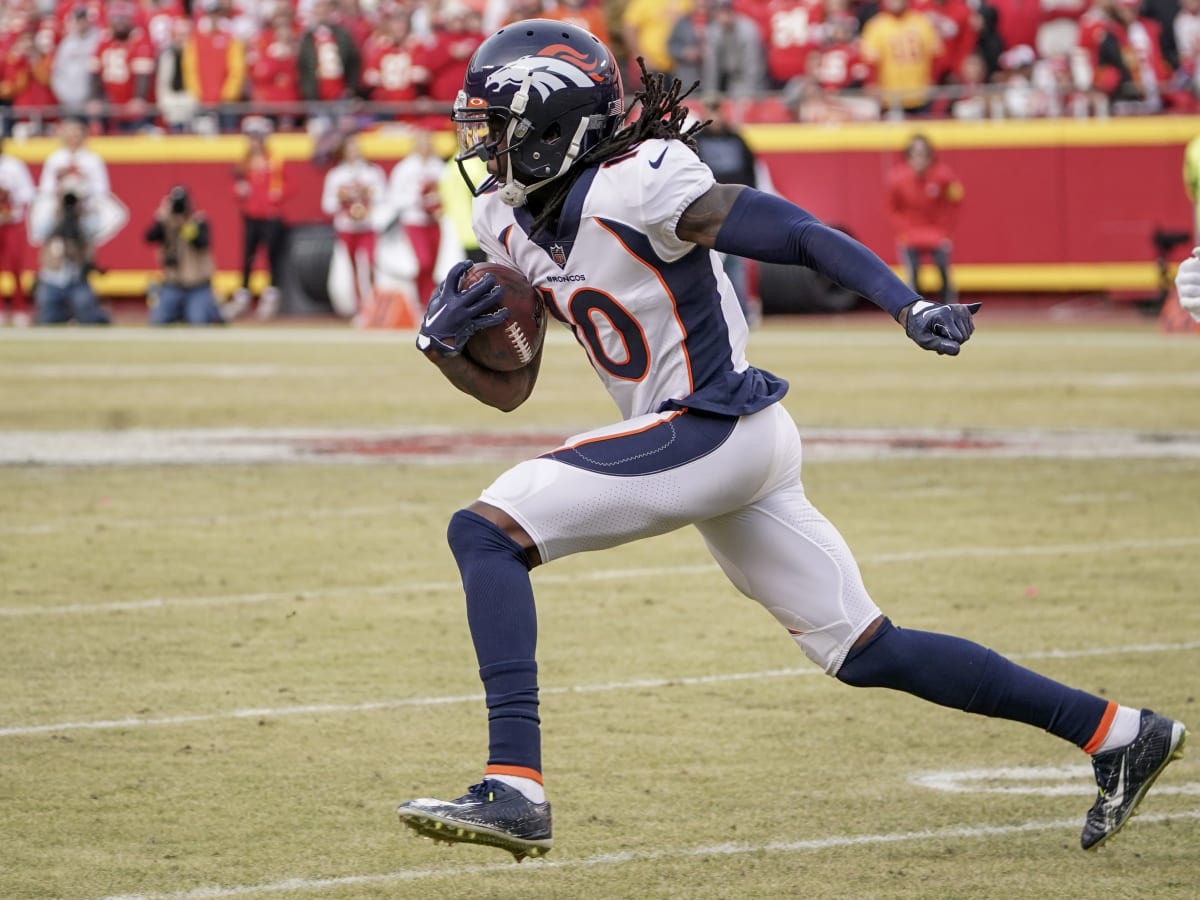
538	94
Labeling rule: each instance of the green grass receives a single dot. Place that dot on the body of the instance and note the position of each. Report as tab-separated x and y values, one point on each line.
320	601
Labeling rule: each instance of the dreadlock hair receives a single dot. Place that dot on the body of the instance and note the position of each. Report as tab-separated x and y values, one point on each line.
663	116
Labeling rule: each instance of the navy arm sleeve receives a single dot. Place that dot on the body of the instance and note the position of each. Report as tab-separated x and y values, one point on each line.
770	229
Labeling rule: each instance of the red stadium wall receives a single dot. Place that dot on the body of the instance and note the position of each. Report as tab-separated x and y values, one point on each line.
1050	205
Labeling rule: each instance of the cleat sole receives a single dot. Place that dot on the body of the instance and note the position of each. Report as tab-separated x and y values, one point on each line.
443	832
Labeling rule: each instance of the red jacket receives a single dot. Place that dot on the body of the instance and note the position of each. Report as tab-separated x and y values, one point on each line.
445	58
264	177
274	71
923	208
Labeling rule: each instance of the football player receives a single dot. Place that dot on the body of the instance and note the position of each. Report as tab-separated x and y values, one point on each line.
620	226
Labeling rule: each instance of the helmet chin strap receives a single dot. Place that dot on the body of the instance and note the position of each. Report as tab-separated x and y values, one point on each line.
512	192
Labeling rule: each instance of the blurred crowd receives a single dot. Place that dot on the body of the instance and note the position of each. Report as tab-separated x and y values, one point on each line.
202	65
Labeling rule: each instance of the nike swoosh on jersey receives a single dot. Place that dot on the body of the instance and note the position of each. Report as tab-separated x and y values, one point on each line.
655	163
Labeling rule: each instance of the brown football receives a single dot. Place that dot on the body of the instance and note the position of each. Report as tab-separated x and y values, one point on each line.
513	343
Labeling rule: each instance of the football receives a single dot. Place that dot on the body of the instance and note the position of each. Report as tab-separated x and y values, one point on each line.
513	343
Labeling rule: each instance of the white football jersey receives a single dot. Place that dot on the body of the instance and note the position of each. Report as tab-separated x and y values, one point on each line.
657	316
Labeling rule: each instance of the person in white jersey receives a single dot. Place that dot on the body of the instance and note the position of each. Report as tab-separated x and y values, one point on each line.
620	225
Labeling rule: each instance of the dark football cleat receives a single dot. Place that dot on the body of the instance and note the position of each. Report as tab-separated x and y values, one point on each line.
1124	775
491	813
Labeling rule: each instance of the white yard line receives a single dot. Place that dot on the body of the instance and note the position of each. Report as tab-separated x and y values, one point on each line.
832	842
171	370
606	687
1099	547
1037	781
110	522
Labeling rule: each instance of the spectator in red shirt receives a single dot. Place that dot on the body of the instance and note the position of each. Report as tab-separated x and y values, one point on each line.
214	65
791	37
390	74
329	61
1126	57
923	197
25	70
836	62
260	186
958	30
160	18
455	37
122	69
273	63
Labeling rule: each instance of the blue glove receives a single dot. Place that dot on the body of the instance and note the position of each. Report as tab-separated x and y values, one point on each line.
454	315
943	327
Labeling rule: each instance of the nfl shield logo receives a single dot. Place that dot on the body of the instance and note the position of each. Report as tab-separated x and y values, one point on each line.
559	254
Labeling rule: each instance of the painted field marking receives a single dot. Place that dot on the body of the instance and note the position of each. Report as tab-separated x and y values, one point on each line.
961	832
1039	781
269	515
595	575
168	370
605	687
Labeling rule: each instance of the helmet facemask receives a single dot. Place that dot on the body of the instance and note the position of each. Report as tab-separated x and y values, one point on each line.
528	159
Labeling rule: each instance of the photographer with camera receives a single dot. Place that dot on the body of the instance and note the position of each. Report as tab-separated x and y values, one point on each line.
65	260
185	253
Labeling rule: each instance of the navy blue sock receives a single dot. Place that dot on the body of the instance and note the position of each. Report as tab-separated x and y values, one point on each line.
503	623
963	675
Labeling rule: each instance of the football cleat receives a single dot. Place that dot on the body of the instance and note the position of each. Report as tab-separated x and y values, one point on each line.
1124	775
490	813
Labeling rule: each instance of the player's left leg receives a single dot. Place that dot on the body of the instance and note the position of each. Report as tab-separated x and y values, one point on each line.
783	553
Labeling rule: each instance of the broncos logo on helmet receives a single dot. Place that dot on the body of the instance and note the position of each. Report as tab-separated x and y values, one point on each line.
545	74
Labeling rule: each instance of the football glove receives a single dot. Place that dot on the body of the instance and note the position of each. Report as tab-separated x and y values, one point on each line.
1187	284
454	315
943	327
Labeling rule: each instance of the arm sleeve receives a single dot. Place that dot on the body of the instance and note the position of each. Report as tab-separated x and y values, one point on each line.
775	230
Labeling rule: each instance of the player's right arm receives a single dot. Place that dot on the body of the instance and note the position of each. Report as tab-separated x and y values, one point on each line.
504	391
453	316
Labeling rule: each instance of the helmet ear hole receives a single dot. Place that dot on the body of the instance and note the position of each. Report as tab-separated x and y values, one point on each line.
552	134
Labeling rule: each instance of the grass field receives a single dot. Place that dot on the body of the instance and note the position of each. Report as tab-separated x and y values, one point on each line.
219	677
